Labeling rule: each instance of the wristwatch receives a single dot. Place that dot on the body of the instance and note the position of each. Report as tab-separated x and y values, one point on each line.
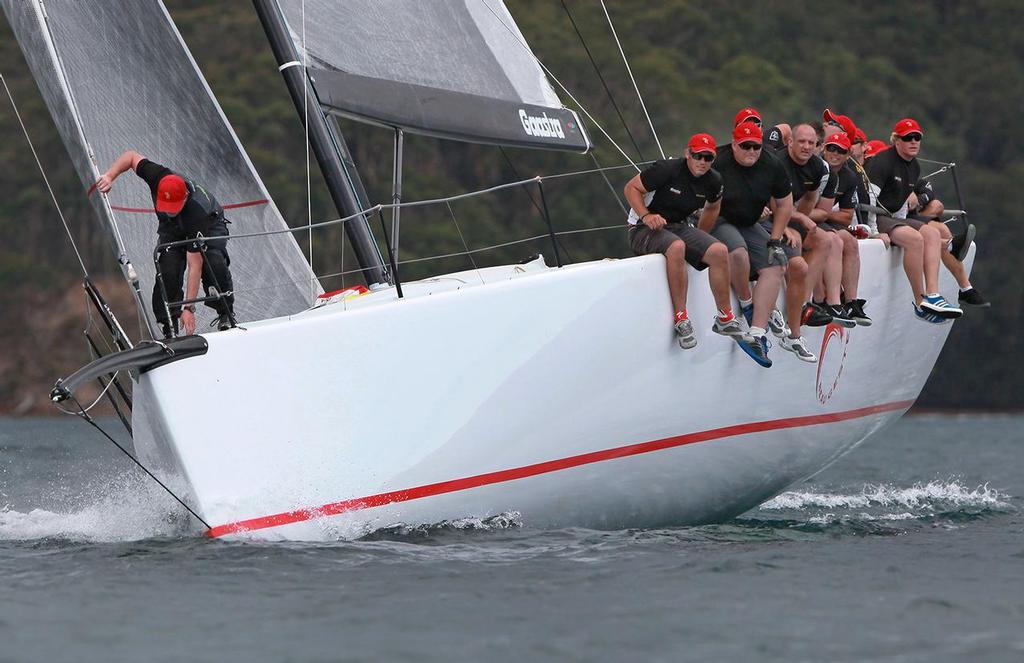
191	308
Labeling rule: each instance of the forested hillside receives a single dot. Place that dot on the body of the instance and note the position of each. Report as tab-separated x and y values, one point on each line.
958	67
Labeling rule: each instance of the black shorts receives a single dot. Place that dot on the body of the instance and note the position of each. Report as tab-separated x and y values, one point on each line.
886	224
643	241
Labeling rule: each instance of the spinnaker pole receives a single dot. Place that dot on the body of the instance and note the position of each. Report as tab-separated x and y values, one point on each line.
329	146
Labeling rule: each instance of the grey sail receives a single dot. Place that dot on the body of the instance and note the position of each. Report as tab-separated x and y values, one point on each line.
455	69
117	76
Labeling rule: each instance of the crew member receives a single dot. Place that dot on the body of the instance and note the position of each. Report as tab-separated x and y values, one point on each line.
185	210
661	198
894	174
753	177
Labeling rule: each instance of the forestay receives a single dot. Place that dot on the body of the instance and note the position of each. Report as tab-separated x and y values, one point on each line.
117	76
455	69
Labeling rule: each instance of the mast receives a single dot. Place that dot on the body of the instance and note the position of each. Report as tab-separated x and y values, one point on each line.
329	146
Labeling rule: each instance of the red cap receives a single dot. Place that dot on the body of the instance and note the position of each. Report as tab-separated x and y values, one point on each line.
839	139
861	137
907	125
874	147
702	143
171	194
746	131
845	122
745	115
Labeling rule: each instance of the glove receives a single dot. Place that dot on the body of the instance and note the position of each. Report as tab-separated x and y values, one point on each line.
776	255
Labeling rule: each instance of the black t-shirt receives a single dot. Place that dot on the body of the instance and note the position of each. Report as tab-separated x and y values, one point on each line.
199	215
747	189
807	177
677	193
846	186
895	177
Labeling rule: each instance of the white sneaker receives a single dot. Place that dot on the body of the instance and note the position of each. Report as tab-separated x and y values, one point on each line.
798	347
777	324
684	331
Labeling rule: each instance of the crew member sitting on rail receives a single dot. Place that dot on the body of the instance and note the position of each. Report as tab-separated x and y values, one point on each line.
661	198
895	173
184	210
752	178
840	217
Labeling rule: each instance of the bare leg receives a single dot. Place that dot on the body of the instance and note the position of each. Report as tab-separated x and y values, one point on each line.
851	264
955	267
717	260
932	248
833	268
796	287
769	280
912	244
815	252
675	265
739	272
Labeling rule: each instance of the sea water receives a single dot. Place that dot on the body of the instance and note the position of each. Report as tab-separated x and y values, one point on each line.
909	549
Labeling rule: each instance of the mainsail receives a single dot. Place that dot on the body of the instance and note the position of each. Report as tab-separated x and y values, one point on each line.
456	69
117	76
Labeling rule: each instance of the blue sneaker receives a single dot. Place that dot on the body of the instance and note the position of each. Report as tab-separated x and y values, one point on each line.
756	348
926	316
748	313
937	304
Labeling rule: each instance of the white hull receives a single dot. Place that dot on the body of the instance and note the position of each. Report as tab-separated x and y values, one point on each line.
559	394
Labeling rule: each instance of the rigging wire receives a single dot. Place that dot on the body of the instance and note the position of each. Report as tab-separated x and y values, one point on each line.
615	194
84	414
305	124
465	245
607	90
42	171
635	87
517	37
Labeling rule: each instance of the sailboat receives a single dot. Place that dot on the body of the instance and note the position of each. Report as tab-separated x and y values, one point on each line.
556	392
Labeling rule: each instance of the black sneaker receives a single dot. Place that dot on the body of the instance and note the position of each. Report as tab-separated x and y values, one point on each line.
972	297
222	322
840	316
815	315
962	242
855	310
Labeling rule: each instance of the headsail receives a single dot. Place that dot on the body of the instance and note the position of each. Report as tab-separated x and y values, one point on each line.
118	76
455	69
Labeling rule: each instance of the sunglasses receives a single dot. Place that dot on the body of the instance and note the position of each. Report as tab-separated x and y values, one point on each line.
703	156
750	146
836	149
753	120
911	138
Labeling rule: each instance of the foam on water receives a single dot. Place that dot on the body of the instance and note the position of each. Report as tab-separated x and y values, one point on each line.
931	496
128	508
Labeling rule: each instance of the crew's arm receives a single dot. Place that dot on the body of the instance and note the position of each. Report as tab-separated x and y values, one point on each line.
129	159
783	210
635	193
195	272
822	209
843	216
709	215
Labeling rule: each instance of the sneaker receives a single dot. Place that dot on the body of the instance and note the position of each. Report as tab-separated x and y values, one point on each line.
684	331
972	297
855	311
815	315
756	348
926	316
748	313
223	322
839	315
777	324
962	242
937	304
731	328
798	347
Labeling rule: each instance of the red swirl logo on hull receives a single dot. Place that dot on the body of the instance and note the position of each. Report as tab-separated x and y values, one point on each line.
830	367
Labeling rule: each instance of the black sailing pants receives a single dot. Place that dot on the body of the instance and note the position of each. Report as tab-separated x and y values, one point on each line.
215	274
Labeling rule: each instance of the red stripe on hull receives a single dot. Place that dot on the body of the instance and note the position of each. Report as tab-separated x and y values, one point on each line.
501	476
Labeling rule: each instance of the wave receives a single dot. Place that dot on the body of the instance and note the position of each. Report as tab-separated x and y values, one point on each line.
128	508
931	496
